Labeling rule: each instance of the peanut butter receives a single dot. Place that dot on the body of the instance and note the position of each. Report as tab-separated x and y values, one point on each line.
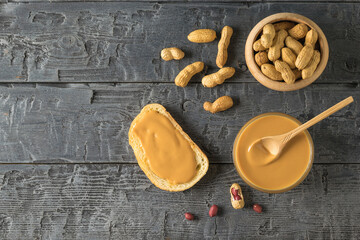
168	153
253	163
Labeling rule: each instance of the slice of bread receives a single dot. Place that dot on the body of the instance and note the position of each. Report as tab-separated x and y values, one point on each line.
200	158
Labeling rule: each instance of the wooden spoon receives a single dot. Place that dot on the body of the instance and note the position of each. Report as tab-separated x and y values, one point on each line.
275	144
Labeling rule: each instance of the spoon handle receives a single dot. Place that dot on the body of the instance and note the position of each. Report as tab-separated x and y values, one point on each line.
318	118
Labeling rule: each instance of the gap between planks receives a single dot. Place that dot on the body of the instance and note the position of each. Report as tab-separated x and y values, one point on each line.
225	2
134	163
353	84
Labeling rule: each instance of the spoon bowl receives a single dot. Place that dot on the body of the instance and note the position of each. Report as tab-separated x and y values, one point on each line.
271	145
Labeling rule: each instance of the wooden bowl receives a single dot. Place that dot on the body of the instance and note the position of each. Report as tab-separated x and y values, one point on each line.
276	85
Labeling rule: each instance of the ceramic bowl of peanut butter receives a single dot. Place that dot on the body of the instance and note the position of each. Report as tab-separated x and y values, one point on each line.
257	169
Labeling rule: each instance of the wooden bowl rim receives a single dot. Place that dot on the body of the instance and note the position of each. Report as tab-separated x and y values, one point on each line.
282	86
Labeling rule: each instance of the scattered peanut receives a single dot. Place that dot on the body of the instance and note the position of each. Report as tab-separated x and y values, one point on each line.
202	36
311	38
189	216
237	199
221	104
218	78
288	56
304	57
286	73
311	67
223	45
268	35
270	71
261	58
257	208
299	31
257	46
297	73
274	50
213	210
183	78
168	54
293	44
283	25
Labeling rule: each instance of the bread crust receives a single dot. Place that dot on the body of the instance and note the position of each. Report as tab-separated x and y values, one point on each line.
201	159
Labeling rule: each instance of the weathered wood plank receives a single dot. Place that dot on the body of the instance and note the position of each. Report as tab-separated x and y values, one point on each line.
89	123
121	42
100	201
177	1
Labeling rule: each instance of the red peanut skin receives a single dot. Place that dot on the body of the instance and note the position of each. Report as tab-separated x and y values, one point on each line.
234	191
213	210
189	216
257	208
237	197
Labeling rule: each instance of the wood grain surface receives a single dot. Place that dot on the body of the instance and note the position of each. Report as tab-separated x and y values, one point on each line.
249	2
121	42
74	75
103	201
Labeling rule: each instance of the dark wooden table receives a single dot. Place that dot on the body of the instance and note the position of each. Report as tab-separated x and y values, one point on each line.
73	76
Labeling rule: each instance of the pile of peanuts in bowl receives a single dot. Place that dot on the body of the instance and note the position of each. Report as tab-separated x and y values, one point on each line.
297	60
286	51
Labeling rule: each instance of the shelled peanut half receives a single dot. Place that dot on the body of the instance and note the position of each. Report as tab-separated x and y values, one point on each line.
286	51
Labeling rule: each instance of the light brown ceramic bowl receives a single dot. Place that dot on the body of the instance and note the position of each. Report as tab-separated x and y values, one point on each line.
277	85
